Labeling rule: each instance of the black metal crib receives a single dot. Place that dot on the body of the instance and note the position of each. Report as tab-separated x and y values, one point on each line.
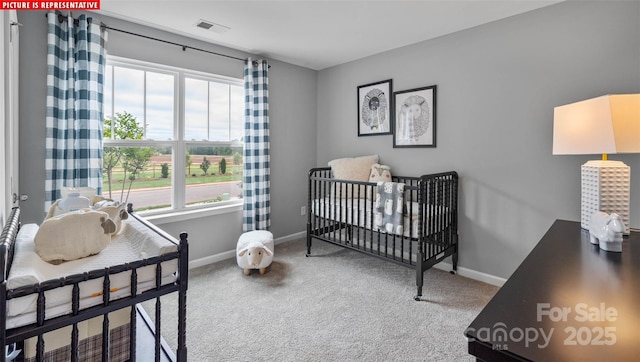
108	305
341	213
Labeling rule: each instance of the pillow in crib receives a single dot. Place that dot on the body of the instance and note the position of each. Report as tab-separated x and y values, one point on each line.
352	169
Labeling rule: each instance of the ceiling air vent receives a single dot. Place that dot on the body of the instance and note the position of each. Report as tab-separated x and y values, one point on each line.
211	26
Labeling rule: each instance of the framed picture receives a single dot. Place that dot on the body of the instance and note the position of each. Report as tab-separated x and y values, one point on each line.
415	117
375	109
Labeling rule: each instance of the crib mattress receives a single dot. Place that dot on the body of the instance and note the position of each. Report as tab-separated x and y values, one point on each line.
359	212
134	242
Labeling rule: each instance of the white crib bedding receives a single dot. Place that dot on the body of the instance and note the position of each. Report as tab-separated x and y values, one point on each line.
134	242
344	210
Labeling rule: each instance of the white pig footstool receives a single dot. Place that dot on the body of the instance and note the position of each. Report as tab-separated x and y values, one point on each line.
255	251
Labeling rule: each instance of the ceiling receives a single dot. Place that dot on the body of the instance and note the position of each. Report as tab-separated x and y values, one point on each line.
317	34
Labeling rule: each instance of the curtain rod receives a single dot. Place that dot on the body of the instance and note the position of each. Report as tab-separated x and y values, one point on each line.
62	18
184	47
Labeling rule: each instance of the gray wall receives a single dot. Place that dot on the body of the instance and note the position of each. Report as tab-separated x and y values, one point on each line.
292	117
497	86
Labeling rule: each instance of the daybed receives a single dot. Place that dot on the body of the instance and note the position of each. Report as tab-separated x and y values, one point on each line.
90	302
342	212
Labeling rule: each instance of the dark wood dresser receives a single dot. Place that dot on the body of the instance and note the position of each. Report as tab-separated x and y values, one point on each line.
567	301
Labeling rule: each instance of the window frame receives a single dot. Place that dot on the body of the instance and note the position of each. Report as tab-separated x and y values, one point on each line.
178	210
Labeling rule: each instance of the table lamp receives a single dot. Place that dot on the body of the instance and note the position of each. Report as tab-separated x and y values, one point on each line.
603	125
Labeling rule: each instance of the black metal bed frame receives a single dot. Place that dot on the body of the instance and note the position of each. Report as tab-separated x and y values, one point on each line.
43	325
339	220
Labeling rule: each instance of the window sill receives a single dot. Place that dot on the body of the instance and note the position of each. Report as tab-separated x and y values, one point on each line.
187	214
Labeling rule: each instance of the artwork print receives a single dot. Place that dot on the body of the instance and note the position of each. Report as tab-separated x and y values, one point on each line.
375	109
415	117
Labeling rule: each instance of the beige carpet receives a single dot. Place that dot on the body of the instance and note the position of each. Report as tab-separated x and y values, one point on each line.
338	305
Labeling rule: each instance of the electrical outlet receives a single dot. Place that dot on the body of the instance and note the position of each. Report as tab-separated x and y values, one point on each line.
303	210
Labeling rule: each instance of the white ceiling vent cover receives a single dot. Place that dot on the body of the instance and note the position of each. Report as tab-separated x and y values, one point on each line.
211	26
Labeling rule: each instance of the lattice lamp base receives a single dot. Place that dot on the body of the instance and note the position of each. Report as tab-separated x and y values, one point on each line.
606	188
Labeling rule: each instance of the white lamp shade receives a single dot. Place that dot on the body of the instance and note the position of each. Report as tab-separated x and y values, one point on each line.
607	124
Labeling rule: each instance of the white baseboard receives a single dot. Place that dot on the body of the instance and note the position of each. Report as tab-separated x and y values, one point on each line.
462	271
472	274
232	253
296	236
212	259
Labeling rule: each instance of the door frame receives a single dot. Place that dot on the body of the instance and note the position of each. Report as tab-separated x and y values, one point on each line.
9	56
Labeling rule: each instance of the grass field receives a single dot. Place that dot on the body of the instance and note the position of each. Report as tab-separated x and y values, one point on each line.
151	177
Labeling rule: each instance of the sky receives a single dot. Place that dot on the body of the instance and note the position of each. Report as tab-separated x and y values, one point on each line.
210	115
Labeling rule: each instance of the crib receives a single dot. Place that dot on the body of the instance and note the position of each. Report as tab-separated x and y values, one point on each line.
341	213
107	325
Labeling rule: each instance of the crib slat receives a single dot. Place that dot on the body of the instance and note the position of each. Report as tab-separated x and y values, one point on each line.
40	305
75	299
323	197
40	348
75	307
40	317
106	295
75	353
105	337
158	330
133	316
337	212
182	297
440	224
431	218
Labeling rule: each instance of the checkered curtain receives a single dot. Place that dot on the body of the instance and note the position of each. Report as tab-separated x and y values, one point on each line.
256	184
75	76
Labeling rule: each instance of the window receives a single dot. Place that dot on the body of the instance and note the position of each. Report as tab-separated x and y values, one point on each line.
173	138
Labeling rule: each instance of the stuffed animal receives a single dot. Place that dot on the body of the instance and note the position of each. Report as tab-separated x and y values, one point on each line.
116	211
255	251
74	235
606	230
380	173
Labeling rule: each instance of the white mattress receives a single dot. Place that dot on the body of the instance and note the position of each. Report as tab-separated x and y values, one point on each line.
134	242
358	212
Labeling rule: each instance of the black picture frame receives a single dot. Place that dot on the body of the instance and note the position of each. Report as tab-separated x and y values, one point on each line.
375	108
415	117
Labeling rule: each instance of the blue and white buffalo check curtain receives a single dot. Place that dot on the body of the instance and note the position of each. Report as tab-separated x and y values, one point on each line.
256	184
75	76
